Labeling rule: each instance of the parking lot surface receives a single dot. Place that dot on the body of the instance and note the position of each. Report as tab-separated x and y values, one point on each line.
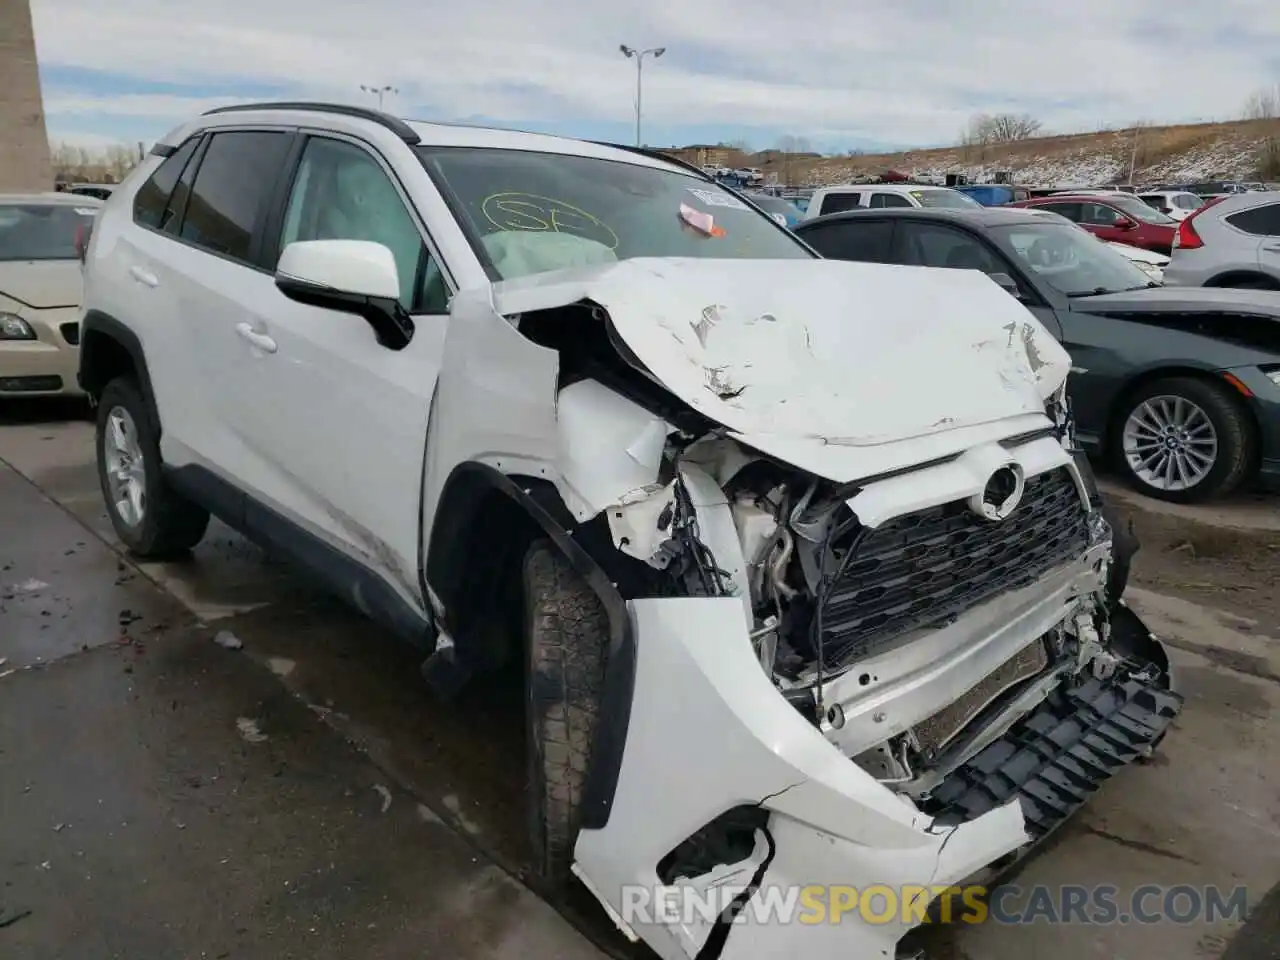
165	795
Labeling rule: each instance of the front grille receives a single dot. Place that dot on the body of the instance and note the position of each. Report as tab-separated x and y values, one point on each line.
925	569
71	332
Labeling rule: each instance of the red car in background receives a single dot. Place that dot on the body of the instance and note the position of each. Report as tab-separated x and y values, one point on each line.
1117	217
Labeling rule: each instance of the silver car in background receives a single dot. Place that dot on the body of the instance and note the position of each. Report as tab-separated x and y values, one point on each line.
1233	242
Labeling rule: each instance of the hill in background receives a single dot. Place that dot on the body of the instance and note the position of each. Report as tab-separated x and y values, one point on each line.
1238	150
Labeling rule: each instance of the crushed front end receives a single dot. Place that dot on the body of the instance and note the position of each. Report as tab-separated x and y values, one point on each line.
905	682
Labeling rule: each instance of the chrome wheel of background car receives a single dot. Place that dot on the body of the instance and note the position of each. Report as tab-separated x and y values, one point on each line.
125	467
1170	443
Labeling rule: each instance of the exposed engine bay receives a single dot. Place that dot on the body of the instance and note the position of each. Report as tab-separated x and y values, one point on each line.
827	593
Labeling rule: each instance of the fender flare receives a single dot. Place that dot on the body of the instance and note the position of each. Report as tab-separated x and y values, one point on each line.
463	496
90	375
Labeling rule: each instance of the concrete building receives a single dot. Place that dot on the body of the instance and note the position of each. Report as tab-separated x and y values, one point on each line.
25	163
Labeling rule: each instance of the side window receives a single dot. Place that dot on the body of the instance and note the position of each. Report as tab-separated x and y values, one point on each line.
1260	221
839	202
1069	210
152	198
342	193
1099	214
882	200
172	219
866	241
231	189
935	245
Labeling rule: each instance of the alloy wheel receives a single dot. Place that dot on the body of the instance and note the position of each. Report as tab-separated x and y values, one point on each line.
1170	443
125	467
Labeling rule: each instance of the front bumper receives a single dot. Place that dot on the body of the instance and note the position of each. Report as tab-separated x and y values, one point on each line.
45	366
709	734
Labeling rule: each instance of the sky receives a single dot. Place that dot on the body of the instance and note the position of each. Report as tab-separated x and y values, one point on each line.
843	74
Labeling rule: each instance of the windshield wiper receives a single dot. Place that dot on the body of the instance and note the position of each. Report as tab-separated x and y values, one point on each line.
1096	291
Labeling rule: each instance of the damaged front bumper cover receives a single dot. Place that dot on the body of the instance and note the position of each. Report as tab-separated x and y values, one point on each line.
707	721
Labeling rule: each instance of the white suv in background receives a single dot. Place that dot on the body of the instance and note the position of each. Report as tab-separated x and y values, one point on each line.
875	195
791	550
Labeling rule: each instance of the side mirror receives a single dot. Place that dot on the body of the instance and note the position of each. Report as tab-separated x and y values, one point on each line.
1007	284
352	276
1124	223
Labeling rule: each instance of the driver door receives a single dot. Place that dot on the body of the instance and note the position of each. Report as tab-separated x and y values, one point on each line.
334	423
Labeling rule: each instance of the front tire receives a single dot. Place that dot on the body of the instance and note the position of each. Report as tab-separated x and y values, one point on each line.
1184	439
566	636
153	520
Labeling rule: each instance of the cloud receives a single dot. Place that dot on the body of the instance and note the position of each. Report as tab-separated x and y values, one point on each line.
841	72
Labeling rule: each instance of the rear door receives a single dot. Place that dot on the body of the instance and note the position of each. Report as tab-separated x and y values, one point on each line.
207	266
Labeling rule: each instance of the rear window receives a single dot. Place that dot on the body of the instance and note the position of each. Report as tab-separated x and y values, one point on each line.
527	212
42	231
1260	221
944	198
839	203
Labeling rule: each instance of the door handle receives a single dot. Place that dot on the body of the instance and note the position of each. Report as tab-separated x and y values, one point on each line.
144	276
259	340
1271	247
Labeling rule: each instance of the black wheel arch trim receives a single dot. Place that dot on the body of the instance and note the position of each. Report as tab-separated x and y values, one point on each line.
89	376
463	494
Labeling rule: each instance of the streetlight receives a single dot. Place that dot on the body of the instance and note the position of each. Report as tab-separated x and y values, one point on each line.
379	92
639	55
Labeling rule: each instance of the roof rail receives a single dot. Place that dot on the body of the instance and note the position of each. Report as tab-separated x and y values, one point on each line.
394	124
657	155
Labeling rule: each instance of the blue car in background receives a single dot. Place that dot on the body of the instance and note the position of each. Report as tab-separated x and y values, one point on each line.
994	194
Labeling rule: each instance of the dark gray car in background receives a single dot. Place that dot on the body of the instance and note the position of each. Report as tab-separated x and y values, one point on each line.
1180	387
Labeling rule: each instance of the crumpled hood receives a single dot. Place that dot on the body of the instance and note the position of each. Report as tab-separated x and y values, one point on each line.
807	358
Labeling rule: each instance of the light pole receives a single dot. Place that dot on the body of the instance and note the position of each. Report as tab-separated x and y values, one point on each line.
379	92
638	56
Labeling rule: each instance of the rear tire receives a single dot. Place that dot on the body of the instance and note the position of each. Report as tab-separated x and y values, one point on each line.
152	519
1218	428
567	631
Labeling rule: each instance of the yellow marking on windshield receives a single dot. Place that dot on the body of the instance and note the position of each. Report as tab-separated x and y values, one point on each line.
528	211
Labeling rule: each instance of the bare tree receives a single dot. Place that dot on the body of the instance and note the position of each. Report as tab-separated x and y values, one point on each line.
789	145
78	163
1263	104
985	129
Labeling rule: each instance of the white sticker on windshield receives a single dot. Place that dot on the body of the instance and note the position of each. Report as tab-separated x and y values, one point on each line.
86	211
716	198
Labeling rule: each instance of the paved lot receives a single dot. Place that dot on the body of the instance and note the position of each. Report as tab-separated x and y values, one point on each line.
303	796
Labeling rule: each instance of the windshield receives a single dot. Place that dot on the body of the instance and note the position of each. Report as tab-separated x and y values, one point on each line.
1137	209
41	231
528	212
944	198
1069	259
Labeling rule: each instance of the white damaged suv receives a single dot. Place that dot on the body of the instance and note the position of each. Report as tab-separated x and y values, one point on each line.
810	582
